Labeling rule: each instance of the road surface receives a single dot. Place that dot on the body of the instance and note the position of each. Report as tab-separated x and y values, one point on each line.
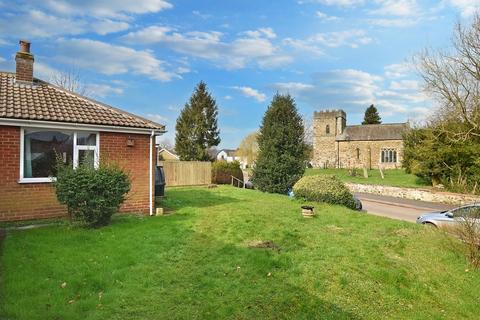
398	208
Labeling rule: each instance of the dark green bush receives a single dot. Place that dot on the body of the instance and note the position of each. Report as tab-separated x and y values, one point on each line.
91	196
223	170
324	188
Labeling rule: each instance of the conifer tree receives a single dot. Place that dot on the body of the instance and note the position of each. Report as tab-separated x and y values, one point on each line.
371	116
282	150
197	128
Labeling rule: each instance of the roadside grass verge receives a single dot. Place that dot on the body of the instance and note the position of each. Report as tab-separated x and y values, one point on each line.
237	254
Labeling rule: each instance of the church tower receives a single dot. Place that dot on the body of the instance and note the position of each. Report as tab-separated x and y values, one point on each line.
327	125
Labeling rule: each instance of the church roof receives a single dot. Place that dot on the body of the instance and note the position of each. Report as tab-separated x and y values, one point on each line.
370	132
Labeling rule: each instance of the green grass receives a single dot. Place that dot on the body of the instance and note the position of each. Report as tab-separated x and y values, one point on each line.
393	177
196	264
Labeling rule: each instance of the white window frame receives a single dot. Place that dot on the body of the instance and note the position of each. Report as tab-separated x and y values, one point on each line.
76	148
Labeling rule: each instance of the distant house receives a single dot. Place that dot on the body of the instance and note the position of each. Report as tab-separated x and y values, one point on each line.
40	121
165	154
229	155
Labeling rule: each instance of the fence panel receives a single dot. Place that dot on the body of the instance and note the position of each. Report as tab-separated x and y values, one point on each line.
187	173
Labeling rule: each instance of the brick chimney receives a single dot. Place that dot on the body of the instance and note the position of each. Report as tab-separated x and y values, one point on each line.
24	60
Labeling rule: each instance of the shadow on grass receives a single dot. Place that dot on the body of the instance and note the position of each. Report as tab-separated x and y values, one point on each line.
154	266
199	197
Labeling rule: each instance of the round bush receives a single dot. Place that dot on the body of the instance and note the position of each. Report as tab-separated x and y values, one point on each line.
92	196
223	170
324	188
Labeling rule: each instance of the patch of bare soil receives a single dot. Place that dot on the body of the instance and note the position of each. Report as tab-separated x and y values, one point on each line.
259	244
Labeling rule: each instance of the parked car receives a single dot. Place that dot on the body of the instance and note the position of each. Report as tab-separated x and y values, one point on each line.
450	217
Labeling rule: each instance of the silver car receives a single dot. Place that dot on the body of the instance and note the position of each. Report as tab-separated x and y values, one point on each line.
450	217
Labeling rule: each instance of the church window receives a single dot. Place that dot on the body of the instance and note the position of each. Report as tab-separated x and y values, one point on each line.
327	129
389	156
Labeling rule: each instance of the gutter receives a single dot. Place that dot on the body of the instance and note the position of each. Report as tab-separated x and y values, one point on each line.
76	125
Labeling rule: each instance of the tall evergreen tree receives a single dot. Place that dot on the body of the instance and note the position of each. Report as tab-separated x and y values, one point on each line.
282	149
371	116
197	128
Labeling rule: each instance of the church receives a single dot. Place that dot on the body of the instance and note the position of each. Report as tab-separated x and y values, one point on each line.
337	145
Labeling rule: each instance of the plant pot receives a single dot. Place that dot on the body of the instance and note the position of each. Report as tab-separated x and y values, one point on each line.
307	211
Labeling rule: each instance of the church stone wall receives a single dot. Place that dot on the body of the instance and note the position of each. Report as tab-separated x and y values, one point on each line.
369	153
329	153
325	147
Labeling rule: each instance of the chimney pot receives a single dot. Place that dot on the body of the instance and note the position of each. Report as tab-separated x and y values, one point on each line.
24	46
24	60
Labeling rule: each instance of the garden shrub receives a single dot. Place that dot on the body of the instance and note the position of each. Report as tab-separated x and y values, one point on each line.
324	188
91	195
223	170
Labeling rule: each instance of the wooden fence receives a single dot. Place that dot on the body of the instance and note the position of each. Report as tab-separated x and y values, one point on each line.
187	173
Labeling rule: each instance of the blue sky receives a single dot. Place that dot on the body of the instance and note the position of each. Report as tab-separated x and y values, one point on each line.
146	56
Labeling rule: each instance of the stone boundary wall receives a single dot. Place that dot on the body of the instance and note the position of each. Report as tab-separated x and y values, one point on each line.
415	194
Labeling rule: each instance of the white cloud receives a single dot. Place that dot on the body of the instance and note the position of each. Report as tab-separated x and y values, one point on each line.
396	22
325	17
339	3
466	7
404	8
352	38
246	49
252	93
106	8
111	59
102	90
293	87
106	26
203	16
37	24
158	118
316	43
399	70
405	85
227	97
261	32
353	90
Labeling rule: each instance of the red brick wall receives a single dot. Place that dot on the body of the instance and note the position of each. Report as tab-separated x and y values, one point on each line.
38	200
134	161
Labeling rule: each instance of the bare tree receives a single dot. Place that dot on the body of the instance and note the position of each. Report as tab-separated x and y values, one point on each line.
248	148
453	78
468	230
70	80
308	130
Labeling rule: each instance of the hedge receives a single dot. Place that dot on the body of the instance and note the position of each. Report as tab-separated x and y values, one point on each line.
222	171
324	188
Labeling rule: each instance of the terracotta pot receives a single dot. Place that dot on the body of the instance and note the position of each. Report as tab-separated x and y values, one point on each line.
307	211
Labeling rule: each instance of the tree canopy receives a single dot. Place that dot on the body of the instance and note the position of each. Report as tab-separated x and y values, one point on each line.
282	150
197	128
447	149
371	116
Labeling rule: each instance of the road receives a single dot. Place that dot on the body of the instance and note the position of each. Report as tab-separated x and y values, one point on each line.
398	208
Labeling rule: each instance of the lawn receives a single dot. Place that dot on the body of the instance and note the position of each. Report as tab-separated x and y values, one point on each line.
393	177
197	263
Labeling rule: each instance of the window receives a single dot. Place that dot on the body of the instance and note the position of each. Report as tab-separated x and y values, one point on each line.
42	147
470	212
327	129
389	156
358	153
